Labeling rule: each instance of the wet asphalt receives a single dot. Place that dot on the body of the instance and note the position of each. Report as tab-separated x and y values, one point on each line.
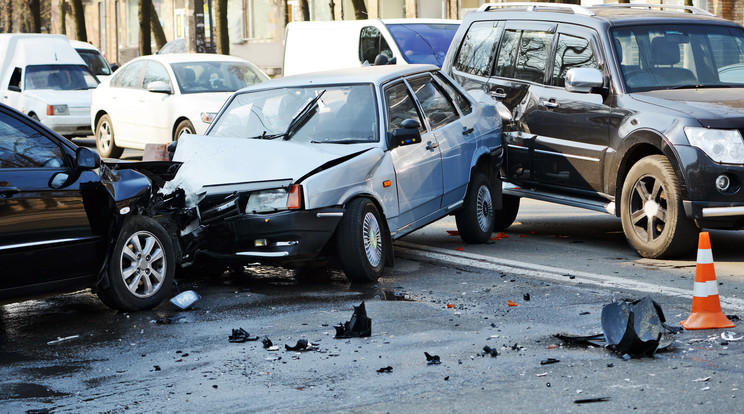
167	360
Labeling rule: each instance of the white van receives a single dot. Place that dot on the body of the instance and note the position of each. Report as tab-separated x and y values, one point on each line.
44	77
315	46
94	59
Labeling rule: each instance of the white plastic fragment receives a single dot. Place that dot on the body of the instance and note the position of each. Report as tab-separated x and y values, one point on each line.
185	299
729	336
60	339
702	379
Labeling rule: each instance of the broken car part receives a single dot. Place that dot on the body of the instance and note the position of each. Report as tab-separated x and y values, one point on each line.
185	299
432	359
357	327
241	335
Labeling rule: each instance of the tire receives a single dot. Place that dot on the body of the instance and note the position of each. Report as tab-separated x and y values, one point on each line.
141	267
34	117
184	127
651	211
105	141
360	241
505	217
475	219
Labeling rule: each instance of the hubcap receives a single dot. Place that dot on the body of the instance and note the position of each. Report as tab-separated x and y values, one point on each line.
484	209
372	239
104	137
648	208
143	264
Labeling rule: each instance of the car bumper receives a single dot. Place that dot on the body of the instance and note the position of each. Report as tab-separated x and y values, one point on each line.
69	126
286	235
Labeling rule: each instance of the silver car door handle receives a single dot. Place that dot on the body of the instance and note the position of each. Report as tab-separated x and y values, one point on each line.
498	93
550	103
431	145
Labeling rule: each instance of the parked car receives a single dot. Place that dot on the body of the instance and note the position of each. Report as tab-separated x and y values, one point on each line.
68	222
354	42
42	76
337	164
620	108
155	99
93	59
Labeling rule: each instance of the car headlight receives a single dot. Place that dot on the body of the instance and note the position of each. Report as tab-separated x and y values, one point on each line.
208	117
57	110
724	146
267	200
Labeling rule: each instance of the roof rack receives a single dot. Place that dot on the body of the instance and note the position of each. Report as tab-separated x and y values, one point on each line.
532	6
693	10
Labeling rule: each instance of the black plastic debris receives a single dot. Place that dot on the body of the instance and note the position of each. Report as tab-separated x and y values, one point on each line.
633	328
241	335
267	342
432	359
490	351
549	361
171	320
385	369
302	345
590	340
357	327
591	400
526	297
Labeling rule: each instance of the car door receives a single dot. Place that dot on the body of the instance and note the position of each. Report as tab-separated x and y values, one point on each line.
123	106
45	234
472	66
572	128
155	123
418	167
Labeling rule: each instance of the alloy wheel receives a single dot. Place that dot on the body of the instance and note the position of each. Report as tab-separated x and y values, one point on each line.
143	264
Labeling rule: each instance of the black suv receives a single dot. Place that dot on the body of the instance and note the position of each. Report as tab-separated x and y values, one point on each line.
635	110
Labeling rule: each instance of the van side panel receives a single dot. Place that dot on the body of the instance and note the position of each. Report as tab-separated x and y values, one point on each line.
317	46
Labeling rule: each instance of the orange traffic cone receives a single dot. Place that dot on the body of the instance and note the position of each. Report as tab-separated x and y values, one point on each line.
706	306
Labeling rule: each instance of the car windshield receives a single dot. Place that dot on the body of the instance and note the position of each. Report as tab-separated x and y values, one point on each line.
196	77
59	77
318	114
680	56
423	43
95	62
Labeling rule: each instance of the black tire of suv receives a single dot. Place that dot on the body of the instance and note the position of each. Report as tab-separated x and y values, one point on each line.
361	216
505	217
117	295
105	127
672	235
476	217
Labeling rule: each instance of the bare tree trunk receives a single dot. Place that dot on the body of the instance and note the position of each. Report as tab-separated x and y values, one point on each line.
145	47
305	10
360	9
332	5
623	1
156	27
78	15
34	8
222	42
63	17
286	12
9	16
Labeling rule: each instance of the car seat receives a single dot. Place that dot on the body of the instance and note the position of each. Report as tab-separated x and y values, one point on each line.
664	54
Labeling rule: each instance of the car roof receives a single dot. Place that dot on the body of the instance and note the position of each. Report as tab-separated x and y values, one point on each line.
192	57
362	74
77	44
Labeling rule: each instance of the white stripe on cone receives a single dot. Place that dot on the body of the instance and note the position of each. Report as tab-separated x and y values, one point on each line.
705	256
705	289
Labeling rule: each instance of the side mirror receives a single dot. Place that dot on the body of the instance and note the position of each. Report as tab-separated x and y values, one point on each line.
583	80
159	87
406	135
87	159
14	88
114	67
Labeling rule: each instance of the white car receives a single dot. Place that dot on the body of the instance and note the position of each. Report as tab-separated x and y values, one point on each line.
155	99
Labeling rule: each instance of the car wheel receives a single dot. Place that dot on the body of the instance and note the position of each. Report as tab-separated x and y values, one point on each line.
105	139
475	220
652	215
505	217
34	117
360	242
141	267
184	127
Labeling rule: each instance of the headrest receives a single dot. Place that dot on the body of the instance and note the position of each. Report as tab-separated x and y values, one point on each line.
664	51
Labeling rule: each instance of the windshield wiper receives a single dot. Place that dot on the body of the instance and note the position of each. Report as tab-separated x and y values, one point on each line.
698	86
302	116
348	141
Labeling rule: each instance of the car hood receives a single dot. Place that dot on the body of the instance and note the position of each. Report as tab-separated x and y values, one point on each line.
215	164
73	99
714	107
206	101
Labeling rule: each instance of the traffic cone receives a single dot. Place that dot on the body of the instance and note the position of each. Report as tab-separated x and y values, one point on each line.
706	306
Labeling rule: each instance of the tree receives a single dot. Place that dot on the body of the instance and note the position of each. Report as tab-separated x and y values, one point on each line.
78	16
156	27
360	9
62	17
145	46
9	16
305	10
222	42
34	9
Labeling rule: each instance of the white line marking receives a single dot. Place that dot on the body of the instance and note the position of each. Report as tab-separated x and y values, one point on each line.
553	274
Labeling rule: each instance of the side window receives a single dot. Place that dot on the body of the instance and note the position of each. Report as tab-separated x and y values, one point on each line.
15	80
130	76
22	146
572	52
477	49
400	106
438	110
371	44
155	72
532	58
462	102
507	54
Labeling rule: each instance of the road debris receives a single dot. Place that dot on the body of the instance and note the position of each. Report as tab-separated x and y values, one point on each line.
241	335
385	369
511	303
453	232
591	400
490	351
702	379
526	297
729	336
432	359
267	342
357	327
61	339
549	361
302	345
171	320
185	299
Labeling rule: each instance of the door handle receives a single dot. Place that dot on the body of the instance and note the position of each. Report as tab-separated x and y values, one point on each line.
7	192
467	131
498	93
550	103
431	145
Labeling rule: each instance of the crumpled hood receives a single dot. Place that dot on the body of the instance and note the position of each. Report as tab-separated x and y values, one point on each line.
73	99
209	160
714	107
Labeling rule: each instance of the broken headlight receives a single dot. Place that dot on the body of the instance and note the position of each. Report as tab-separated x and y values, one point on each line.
267	200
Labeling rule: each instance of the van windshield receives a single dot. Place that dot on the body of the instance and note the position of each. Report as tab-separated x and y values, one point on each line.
95	61
423	43
680	56
59	77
